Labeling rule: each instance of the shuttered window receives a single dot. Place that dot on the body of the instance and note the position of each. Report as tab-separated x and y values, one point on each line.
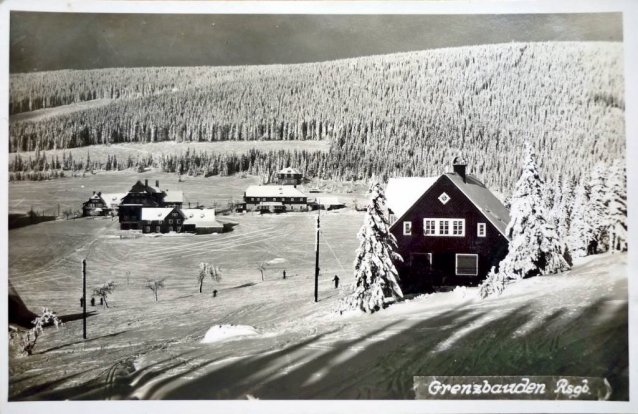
467	264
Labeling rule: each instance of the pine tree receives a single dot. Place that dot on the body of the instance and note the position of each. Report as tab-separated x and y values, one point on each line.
375	275
616	200
564	210
534	245
596	214
580	233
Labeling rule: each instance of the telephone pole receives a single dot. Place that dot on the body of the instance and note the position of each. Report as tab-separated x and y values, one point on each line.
84	299
317	259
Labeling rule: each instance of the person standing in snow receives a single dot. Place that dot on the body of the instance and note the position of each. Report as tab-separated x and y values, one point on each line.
336	280
214	293
92	301
82	302
284	275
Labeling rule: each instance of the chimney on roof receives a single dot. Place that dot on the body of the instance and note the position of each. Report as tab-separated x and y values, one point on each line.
93	192
459	165
157	183
146	182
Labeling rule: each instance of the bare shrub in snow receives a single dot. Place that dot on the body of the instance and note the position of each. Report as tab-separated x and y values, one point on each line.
27	341
206	270
376	277
154	286
103	291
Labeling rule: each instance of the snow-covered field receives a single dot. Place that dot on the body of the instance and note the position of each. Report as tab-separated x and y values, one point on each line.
568	324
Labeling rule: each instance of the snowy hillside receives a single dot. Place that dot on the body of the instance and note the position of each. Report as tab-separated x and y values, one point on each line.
417	108
546	325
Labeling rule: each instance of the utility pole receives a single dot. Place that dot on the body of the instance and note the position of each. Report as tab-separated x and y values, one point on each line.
84	298
317	258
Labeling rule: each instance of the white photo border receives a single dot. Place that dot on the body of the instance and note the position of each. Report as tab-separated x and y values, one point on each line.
628	8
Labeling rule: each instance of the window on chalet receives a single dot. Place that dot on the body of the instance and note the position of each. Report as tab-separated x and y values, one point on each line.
467	264
407	228
147	229
179	221
179	229
170	221
444	227
481	230
157	229
174	214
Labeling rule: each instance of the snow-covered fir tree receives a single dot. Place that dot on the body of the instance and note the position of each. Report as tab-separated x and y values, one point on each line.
596	213
616	200
562	213
534	247
375	276
580	233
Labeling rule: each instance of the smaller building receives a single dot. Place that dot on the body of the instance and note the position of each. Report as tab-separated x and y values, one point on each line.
162	220
201	221
289	176
102	204
327	203
274	199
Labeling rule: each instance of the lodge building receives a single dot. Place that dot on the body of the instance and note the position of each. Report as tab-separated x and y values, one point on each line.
450	229
274	199
143	196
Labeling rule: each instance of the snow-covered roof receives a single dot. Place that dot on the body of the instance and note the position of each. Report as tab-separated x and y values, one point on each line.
329	201
112	199
174	197
289	170
201	217
273	191
402	193
154	214
483	199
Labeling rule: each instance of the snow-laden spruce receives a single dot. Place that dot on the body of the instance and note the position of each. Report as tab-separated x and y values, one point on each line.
596	213
616	200
534	247
580	232
375	276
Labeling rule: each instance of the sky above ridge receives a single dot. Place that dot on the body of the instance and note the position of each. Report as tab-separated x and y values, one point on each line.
53	41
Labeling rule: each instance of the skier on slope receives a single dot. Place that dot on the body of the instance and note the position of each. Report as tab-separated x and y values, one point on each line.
336	280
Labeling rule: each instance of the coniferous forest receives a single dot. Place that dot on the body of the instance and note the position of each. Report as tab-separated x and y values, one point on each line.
403	114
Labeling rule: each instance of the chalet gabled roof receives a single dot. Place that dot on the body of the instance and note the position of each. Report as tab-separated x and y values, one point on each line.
483	199
402	193
201	217
174	197
155	214
479	195
273	191
111	199
289	170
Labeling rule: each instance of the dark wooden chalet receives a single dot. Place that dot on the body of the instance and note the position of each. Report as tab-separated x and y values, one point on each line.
142	196
450	230
289	176
162	220
102	204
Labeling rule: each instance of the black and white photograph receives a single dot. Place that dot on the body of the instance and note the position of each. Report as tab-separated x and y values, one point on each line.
252	205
